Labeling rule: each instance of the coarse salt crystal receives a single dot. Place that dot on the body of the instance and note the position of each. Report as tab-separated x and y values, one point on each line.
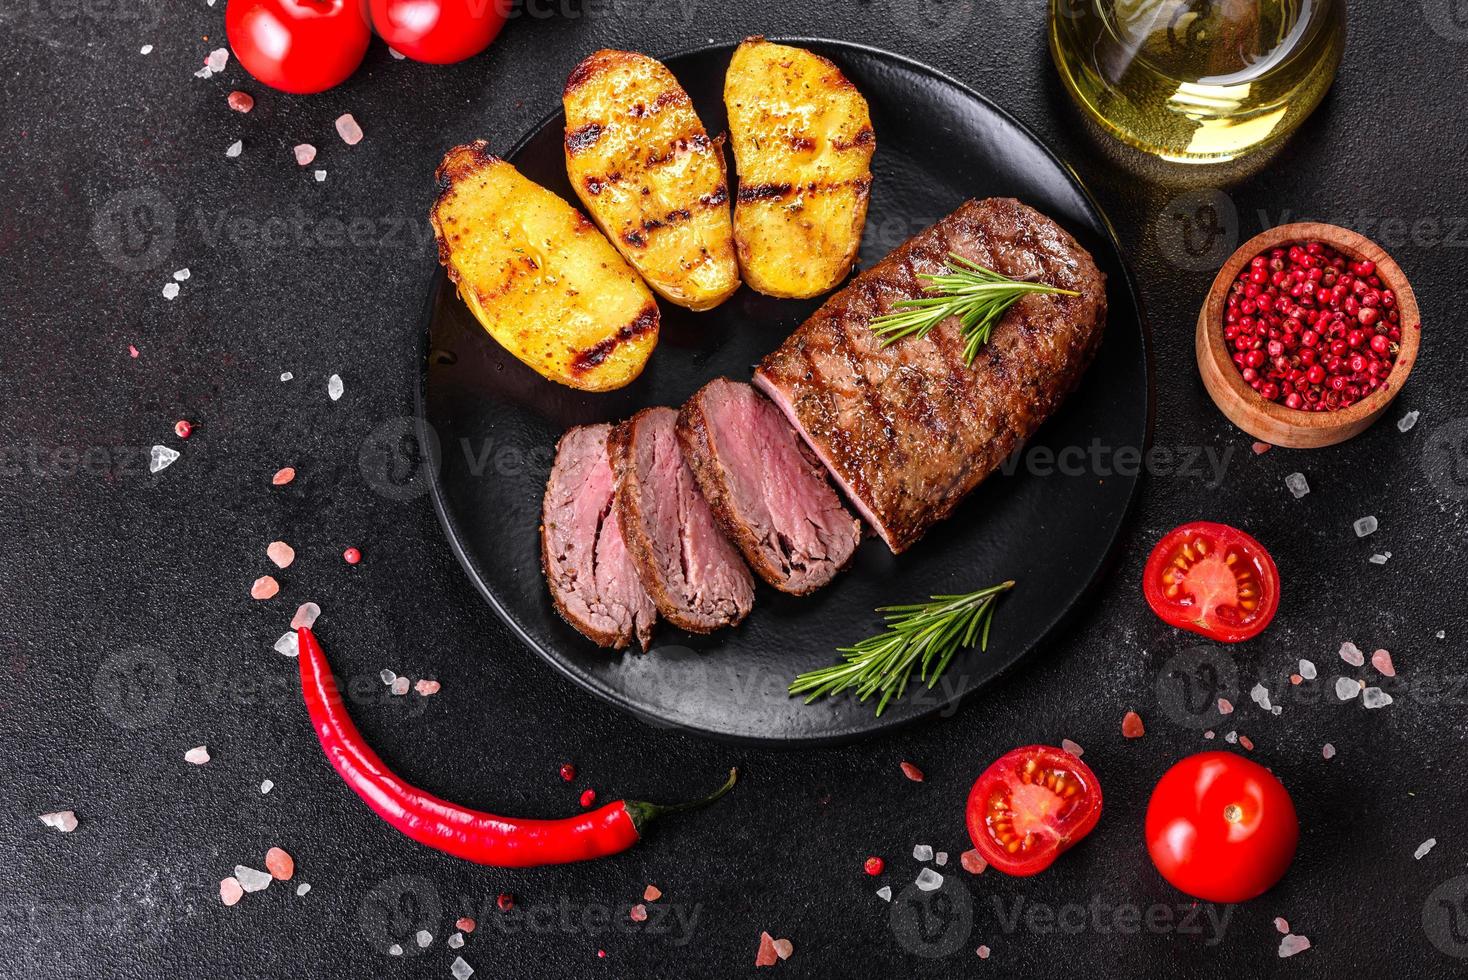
1375	697
283	476
426	687
1346	688
1405	423
304	152
280	864
146	49
170	290
387	676
1209	734
1352	654
289	645
1307	670
1260	696
320	175
396	53
1231	737
234	149
266	785
306	615
1327	751
395	950
456	941
1365	525
280	553
198	755
1260	448
1380	559
400	686
922	852
423	938
348	130
264	587
62	820
941	858
161	458
1382	661
334	387
241	101
885	893
1072	748
783	948
251	879
1424	847
303	888
928	880
182	274
230	891
217	59
460	969
1292	944
286	375
1297	484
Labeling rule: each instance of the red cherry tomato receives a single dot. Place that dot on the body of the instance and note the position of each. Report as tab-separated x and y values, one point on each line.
439	31
1221	827
1031	806
1212	579
298	46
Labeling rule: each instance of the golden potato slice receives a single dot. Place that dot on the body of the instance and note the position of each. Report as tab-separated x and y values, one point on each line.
803	145
646	170
539	276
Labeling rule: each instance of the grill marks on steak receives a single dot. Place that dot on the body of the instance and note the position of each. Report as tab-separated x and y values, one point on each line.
592	578
767	492
694	575
908	430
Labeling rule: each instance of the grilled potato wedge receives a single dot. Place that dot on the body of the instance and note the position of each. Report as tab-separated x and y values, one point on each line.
646	170
539	276
803	145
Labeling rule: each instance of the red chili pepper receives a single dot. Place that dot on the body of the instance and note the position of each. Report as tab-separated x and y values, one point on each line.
505	842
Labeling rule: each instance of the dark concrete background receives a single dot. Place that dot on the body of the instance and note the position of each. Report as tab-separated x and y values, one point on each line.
130	636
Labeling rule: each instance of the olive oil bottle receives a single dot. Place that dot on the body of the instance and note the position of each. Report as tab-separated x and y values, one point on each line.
1197	81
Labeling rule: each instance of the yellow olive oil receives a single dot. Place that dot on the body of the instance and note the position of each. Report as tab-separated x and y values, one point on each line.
1197	81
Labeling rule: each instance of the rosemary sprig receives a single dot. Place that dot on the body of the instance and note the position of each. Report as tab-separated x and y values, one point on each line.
923	635
976	295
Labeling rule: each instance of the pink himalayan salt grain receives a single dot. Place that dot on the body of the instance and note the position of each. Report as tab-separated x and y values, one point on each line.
426	687
1131	725
283	476
132	351
766	955
783	948
265	587
983	952
1281	925
973	862
1225	706
280	864
241	101
1246	742
1260	448
465	924
304	152
230	891
1296	679
1382	661
638	913
1327	751
1292	944
306	615
912	772
280	553
652	893
348	130
1072	748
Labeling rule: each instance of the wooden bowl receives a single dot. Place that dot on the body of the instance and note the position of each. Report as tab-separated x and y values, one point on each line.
1273	422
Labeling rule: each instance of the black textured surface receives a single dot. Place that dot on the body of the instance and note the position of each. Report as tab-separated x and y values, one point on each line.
493	422
113	573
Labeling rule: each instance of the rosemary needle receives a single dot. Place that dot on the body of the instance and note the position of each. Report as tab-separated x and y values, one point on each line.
978	296
922	636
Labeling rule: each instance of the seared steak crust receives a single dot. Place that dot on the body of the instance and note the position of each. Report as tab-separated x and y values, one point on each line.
909	430
692	572
769	494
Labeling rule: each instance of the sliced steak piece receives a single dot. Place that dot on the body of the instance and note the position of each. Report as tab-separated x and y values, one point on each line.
690	569
592	579
908	430
766	489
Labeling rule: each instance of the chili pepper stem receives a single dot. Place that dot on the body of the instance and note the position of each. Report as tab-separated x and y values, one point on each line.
644	813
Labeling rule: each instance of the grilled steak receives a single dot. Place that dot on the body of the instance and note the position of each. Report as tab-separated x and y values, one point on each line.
690	569
908	430
592	579
767	491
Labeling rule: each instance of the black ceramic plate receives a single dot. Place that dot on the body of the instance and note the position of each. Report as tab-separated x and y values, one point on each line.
496	422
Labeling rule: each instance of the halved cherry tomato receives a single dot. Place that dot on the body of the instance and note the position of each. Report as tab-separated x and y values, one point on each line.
298	46
1221	828
439	31
1212	579
1031	806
